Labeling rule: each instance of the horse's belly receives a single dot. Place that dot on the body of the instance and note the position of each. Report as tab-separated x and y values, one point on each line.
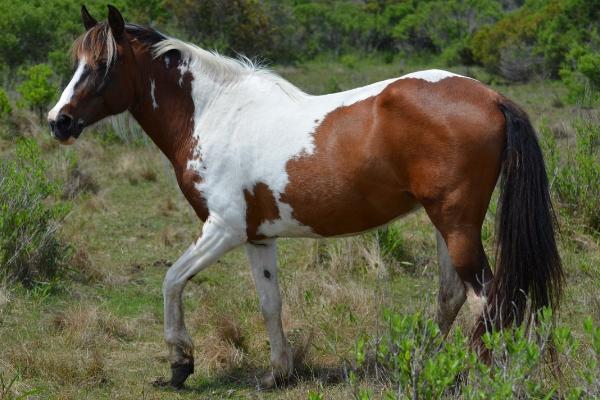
350	217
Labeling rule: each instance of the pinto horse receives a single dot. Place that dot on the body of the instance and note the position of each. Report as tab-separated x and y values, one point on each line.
258	159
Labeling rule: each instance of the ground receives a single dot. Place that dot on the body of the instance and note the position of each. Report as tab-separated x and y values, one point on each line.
98	334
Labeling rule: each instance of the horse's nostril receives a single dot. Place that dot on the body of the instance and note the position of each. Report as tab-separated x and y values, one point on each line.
63	121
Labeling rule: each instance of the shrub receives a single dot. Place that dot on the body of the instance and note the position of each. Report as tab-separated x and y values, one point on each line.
446	26
581	73
416	361
5	108
575	171
37	90
5	111
544	37
30	251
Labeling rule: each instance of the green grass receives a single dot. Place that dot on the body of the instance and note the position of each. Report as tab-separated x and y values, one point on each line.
100	337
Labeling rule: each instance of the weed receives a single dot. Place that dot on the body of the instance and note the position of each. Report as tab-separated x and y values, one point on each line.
8	390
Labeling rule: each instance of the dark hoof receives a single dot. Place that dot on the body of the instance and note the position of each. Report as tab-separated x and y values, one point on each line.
180	372
161	382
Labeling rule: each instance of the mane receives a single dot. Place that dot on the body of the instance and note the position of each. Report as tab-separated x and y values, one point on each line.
98	43
222	68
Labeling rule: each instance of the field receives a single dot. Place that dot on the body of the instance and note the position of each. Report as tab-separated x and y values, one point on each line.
98	334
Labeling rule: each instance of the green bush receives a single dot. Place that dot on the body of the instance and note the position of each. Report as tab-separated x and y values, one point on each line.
414	360
30	251
5	108
5	112
37	89
446	26
575	171
581	74
546	37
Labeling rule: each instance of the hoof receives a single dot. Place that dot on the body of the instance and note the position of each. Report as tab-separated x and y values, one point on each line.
270	380
179	373
161	382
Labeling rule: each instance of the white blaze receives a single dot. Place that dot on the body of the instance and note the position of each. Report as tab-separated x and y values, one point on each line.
67	94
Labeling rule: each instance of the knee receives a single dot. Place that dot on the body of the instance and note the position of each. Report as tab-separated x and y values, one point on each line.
172	284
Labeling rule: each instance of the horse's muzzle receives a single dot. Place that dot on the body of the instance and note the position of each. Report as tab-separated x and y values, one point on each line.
65	129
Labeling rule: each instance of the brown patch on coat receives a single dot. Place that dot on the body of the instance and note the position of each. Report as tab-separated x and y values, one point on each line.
261	206
438	145
172	128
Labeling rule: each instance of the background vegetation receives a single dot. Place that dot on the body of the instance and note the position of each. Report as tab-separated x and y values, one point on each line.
86	233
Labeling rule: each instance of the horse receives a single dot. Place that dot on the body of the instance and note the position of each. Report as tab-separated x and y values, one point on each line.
259	159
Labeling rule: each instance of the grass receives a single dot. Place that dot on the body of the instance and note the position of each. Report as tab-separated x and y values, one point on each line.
99	336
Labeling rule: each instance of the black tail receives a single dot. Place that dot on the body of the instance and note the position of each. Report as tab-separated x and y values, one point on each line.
528	265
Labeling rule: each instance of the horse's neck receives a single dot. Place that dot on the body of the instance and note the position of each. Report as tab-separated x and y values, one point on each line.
165	109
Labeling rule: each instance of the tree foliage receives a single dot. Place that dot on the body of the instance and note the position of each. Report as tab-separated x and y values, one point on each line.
515	38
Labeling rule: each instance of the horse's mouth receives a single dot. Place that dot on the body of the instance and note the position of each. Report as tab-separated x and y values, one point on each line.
67	142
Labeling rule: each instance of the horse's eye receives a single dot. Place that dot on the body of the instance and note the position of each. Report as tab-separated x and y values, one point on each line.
100	88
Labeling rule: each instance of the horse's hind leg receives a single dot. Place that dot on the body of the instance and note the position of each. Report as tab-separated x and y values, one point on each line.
263	260
451	295
459	220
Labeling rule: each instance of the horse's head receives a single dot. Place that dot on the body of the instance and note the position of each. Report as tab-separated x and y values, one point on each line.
104	80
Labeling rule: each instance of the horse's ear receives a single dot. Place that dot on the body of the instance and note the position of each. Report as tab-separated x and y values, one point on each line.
116	22
88	21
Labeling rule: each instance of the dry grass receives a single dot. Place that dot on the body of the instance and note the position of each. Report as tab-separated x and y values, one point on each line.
136	169
88	327
79	181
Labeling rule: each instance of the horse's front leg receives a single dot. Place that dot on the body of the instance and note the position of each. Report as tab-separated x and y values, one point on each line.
215	241
263	260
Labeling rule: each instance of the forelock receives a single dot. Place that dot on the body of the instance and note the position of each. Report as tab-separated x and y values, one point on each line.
96	45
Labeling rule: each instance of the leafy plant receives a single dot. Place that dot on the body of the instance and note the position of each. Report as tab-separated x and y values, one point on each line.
392	243
29	248
420	363
37	90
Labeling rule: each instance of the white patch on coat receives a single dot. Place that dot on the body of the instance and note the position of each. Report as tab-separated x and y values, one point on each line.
167	61
476	302
248	124
153	95
432	75
67	94
183	68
